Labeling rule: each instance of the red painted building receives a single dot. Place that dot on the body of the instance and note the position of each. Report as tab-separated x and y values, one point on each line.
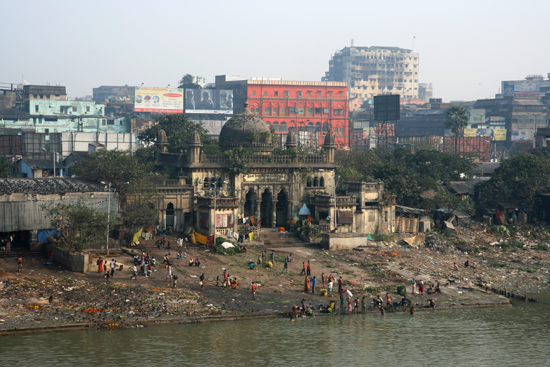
309	109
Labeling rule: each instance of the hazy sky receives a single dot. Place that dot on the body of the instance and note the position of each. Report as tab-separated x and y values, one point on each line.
465	49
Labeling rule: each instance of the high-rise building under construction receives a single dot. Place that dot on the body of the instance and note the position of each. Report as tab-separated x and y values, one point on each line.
370	71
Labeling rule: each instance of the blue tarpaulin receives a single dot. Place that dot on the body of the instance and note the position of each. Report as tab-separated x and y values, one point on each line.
43	234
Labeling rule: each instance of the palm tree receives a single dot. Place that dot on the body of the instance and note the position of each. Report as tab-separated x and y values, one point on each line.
456	119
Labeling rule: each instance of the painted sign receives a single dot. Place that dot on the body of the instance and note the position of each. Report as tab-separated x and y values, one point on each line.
159	100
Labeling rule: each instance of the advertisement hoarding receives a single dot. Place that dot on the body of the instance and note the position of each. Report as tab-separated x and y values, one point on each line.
213	127
160	100
486	131
527	89
212	101
508	88
522	135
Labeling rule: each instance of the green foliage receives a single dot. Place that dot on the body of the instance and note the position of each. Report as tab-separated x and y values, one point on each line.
238	160
6	167
402	290
79	226
186	80
541	247
218	248
178	130
121	168
140	211
456	119
407	175
519	179
498	265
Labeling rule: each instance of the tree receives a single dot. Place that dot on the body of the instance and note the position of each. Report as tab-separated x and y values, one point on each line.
178	130
121	168
139	211
6	167
186	80
518	179
456	119
78	225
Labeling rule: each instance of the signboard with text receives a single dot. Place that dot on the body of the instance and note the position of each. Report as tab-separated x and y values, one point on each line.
210	101
159	100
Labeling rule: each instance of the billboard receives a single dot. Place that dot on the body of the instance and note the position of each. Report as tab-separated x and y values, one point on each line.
496	120
522	135
160	100
209	101
508	88
213	127
387	108
486	131
527	89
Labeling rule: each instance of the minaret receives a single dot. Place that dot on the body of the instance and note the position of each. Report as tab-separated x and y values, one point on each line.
162	143
194	148
330	146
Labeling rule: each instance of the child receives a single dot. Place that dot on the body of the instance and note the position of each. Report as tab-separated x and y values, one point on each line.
135	272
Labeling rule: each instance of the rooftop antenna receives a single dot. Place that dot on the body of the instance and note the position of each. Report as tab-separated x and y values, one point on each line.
352	42
414	37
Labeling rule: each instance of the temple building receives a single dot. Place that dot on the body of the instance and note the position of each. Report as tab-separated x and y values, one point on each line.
250	179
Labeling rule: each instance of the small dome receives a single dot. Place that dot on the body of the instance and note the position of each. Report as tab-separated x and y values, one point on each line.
248	131
195	138
330	142
291	140
161	136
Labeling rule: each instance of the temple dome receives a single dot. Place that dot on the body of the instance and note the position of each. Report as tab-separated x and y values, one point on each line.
248	131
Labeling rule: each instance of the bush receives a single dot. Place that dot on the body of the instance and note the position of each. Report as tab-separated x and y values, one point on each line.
401	290
218	248
541	247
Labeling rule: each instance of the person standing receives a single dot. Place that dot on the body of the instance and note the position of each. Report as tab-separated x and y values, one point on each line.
308	269
330	288
303	272
388	301
306	285
135	272
253	287
413	284
169	273
202	281
20	265
113	267
323	278
273	257
264	257
340	285
313	284
285	266
421	287
100	265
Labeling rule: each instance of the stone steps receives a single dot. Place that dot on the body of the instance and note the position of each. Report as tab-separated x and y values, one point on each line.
281	239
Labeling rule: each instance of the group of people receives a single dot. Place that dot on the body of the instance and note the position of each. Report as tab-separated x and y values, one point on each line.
108	269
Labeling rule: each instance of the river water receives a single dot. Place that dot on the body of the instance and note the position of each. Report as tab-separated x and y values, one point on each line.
518	336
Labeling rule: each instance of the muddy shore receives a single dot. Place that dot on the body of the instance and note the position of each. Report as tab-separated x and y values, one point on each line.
49	298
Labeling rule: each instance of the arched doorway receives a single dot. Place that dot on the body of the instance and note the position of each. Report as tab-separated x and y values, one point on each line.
250	203
170	215
266	209
282	209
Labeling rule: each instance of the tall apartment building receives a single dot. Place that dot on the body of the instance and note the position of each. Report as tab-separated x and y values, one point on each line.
308	108
370	71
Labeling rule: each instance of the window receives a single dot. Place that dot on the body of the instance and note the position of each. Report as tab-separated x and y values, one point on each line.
318	110
319	94
283	111
87	108
330	94
267	110
46	131
325	110
299	93
74	108
257	111
292	110
276	93
338	111
310	111
301	110
341	131
35	108
104	122
265	93
275	111
335	130
253	92
325	127
286	93
309	93
341	93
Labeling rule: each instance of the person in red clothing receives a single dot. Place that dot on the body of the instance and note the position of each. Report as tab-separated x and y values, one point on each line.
308	273
303	272
253	287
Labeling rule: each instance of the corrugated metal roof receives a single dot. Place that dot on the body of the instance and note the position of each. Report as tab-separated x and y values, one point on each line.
46	185
466	187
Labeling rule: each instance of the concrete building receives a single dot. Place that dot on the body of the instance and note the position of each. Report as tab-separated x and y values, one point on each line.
370	71
309	109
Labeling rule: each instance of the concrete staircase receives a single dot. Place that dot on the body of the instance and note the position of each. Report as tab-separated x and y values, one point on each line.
272	238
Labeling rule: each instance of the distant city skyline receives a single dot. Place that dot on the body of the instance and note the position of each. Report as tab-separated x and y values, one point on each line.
466	49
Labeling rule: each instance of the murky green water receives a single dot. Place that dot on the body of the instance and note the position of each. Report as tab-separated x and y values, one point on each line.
518	336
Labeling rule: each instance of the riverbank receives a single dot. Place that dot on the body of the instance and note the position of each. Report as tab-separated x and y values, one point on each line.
48	298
